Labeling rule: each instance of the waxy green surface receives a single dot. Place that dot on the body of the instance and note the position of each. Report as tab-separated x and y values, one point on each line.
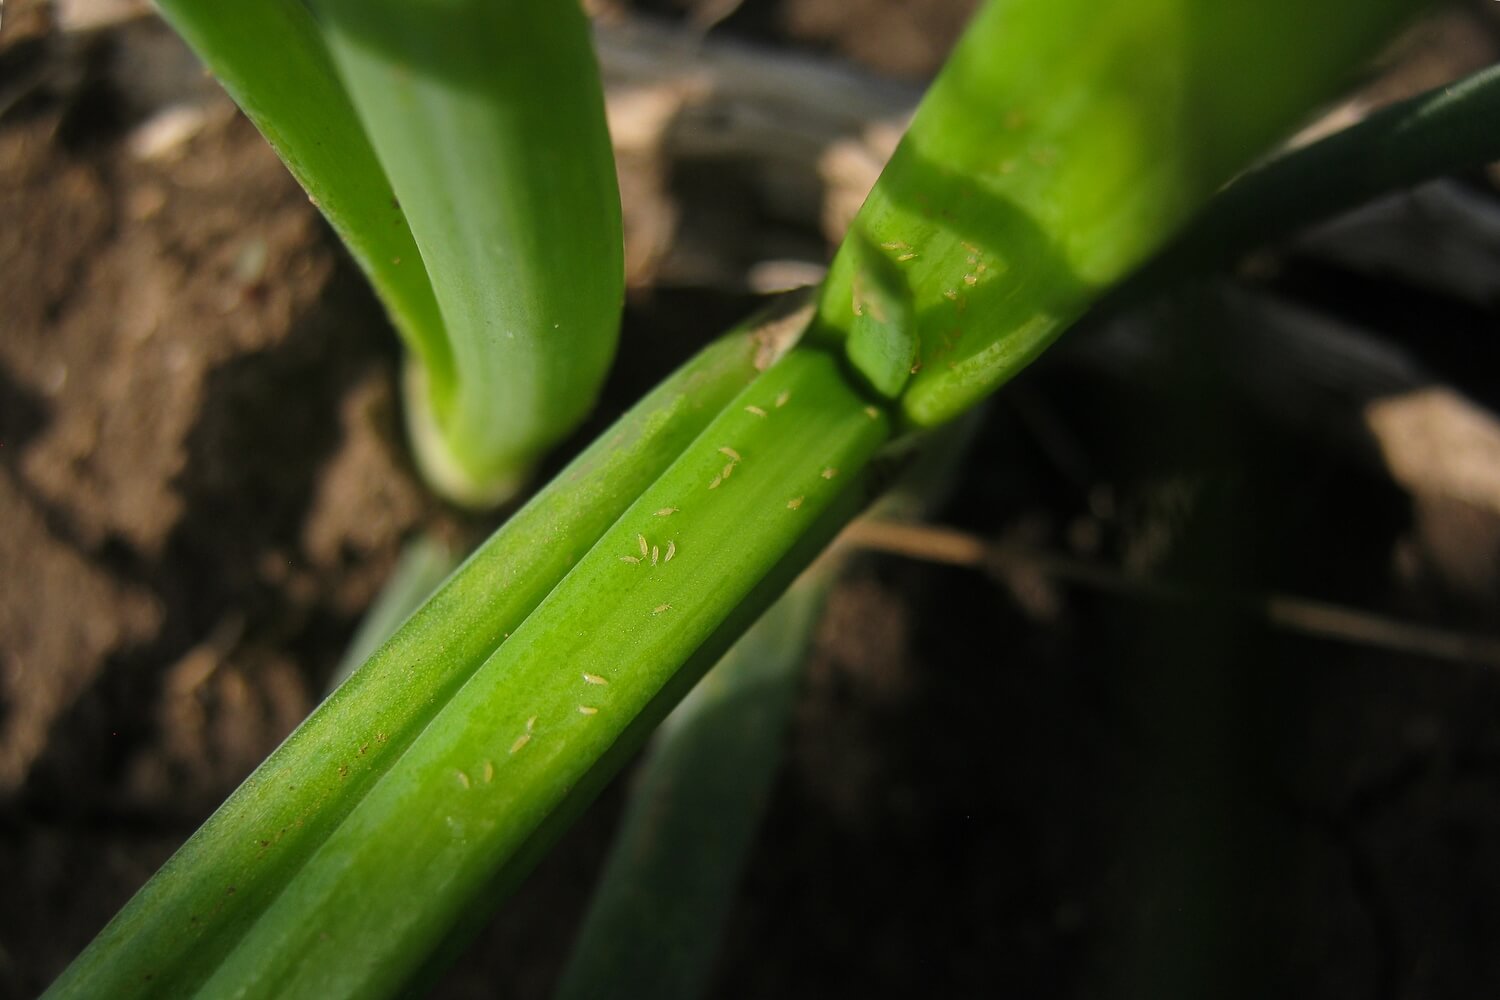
1063	142
696	802
488	118
557	695
180	925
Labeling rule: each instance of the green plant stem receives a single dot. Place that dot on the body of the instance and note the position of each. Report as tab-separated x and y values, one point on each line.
697	797
271	59
176	930
1447	129
424	563
657	915
562	698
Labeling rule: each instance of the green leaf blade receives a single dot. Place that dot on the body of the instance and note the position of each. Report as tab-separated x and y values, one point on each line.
271	59
489	119
1063	142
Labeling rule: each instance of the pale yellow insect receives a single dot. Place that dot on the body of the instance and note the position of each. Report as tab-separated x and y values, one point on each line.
714	484
594	679
587	710
671	551
463	779
667	511
829	472
971	280
907	256
755	411
728	471
655	554
950	294
520	742
729	453
872	413
630	559
784	397
794	503
660	608
645	548
489	772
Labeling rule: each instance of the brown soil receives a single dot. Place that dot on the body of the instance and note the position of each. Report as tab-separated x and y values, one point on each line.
997	783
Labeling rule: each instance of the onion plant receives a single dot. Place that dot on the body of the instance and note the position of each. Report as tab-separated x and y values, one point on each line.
460	151
1064	142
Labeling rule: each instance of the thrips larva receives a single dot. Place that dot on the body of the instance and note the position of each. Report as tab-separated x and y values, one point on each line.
594	679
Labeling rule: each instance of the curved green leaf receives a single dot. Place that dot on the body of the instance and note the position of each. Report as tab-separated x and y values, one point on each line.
489	119
271	58
1063	142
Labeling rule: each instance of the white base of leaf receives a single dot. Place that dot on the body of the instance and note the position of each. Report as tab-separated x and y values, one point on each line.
441	469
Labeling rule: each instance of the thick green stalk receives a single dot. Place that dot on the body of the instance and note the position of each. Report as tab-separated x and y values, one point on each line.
1063	142
658	913
489	119
271	59
664	897
562	691
176	930
425	562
